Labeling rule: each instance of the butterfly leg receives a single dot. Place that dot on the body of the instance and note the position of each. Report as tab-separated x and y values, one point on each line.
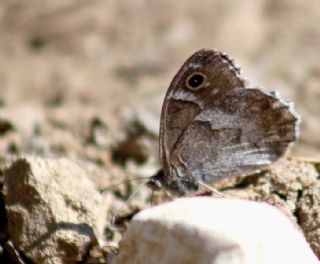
217	193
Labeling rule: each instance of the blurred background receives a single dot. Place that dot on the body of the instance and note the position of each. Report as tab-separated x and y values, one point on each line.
86	79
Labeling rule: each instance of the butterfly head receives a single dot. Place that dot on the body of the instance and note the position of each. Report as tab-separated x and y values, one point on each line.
178	187
155	182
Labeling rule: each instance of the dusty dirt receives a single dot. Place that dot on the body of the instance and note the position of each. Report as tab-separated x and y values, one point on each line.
85	80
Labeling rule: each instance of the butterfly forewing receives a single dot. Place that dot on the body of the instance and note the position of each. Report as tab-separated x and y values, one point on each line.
183	103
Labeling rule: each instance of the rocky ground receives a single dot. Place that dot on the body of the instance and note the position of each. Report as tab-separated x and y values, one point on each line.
84	81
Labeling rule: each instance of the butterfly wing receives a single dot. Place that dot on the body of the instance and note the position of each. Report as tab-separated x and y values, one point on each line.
182	105
239	132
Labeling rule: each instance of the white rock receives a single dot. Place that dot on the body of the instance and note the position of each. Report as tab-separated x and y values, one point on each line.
51	209
216	231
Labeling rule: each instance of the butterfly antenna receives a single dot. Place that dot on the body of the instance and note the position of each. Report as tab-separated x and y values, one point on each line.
169	195
152	197
123	182
217	193
134	192
129	199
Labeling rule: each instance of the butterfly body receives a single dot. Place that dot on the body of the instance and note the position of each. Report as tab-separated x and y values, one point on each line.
213	126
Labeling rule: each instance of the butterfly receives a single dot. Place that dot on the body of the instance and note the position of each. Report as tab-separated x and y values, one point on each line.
213	126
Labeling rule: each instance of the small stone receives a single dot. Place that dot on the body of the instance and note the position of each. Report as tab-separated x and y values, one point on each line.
216	231
51	209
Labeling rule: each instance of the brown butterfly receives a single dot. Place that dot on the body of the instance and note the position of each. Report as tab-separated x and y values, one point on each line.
213	126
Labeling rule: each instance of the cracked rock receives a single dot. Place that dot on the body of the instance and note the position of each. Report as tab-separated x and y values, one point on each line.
51	209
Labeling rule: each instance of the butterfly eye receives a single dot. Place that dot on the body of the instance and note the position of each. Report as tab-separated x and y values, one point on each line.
195	81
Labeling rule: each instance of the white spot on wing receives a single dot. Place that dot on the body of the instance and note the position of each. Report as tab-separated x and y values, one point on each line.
215	91
194	65
185	96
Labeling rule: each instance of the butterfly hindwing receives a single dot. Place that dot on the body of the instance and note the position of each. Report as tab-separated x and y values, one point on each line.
241	131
